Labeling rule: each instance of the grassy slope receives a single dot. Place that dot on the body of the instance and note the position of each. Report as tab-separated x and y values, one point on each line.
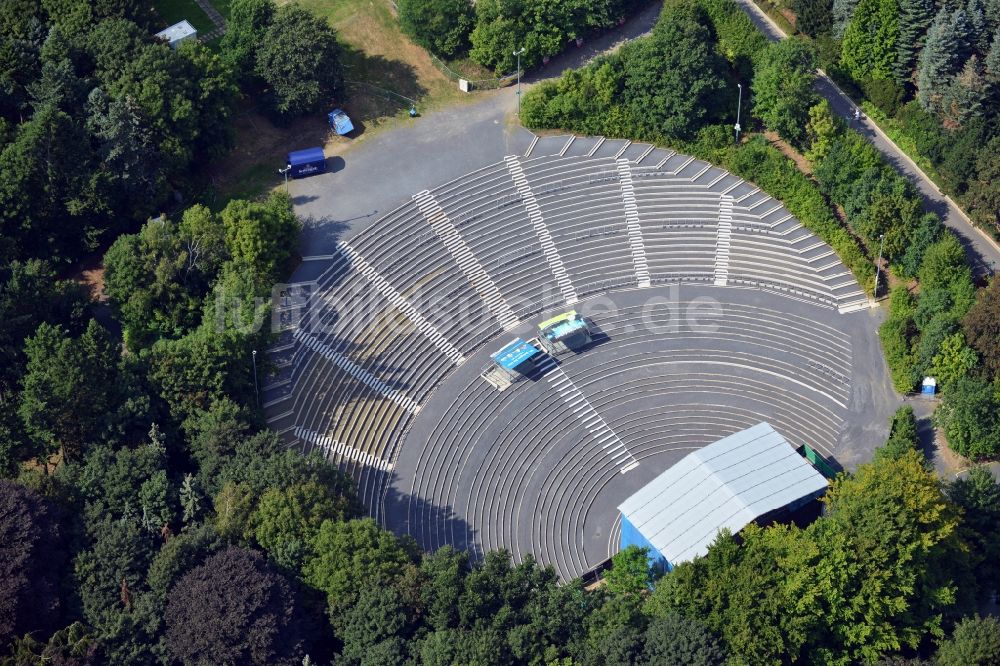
173	11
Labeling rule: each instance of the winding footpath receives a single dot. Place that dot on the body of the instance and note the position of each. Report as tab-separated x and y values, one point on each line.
983	251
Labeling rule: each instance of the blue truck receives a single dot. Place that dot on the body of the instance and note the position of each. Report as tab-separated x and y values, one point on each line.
307	162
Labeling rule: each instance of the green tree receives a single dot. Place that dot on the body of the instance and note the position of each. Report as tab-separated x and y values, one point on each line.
72	646
343	553
299	60
630	572
783	88
975	642
212	437
31	293
245	32
440	26
674	639
128	483
941	58
375	629
157	279
869	47
444	574
110	575
287	520
953	361
235	609
46	209
128	151
842	11
821	130
965	98
813	17
68	389
978	495
889	545
674	80
902	435
926	233
982	326
915	18
970	416
193	372
896	336
261	237
983	197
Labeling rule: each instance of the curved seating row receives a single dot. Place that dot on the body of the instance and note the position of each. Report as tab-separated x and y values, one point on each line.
357	367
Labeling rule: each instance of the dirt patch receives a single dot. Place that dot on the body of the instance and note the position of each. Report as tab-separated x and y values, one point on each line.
89	274
801	163
260	149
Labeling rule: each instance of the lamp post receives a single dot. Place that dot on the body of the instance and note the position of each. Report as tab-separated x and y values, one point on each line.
256	391
285	172
518	54
739	106
878	264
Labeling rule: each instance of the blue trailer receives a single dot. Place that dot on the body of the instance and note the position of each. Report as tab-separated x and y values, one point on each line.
307	162
339	122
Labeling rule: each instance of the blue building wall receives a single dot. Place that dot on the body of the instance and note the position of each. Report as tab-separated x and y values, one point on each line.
633	537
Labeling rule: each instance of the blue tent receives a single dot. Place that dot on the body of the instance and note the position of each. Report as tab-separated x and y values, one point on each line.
339	121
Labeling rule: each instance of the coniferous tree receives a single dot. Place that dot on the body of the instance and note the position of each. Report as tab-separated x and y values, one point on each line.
869	47
915	18
965	97
940	60
979	31
842	12
992	61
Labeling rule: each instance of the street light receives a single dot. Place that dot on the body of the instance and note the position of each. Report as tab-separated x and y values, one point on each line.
878	265
285	172
739	105
255	389
518	54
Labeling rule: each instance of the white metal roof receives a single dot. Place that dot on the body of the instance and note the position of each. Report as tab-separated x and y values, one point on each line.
726	484
177	31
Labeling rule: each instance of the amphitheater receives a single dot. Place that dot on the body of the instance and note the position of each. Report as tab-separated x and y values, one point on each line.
714	309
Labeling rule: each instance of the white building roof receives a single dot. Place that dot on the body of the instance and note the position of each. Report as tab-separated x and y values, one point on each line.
727	484
177	32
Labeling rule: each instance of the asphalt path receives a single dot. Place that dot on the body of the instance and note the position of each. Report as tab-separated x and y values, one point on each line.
983	252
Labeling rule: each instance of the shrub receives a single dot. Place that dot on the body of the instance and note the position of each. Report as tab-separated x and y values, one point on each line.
970	416
440	26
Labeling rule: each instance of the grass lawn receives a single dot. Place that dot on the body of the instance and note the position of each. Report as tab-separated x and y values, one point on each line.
173	11
222	6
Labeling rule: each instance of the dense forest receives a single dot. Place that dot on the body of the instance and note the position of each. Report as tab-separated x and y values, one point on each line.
147	516
931	72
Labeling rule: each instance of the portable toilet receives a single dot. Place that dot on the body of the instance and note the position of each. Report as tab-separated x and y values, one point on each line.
177	33
929	386
306	162
339	122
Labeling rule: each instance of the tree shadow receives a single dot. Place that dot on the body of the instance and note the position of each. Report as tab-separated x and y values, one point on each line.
377	88
431	525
